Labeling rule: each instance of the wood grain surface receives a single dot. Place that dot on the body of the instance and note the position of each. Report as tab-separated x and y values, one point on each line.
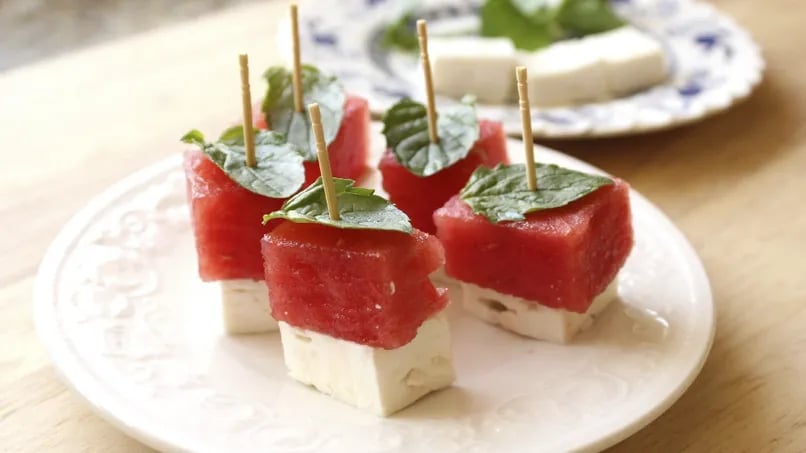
735	184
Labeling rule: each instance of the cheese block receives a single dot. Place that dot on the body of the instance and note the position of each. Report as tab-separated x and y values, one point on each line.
530	318
568	72
379	380
575	71
483	67
245	306
632	59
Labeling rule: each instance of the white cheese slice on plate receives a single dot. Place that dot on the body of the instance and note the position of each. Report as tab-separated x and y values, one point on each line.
484	67
245	306
565	73
633	60
380	380
530	318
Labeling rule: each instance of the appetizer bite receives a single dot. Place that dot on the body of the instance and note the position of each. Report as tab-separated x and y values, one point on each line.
536	247
231	183
229	193
430	158
349	282
345	118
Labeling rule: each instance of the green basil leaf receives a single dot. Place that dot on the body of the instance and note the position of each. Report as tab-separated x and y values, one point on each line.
358	208
502	194
586	17
232	136
405	126
278	106
279	172
401	35
529	24
194	137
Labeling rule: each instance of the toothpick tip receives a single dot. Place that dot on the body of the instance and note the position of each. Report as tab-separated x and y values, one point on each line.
520	73
313	109
421	26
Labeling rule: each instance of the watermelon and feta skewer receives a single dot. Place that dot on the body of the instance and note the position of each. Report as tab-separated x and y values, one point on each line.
230	185
537	254
429	159
347	117
227	213
349	282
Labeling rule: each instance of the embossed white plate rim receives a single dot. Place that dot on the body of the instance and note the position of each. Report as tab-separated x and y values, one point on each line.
111	407
67	366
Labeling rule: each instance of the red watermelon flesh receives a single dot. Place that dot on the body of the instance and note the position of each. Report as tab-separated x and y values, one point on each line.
419	197
349	150
226	221
366	286
561	257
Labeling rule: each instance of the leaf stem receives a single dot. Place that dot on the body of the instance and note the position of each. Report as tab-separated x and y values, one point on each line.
246	101
526	124
297	74
422	35
324	162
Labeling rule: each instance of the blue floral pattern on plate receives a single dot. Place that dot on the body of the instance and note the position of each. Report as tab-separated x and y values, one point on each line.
713	63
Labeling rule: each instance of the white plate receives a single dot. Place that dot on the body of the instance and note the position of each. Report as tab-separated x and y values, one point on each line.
129	326
714	63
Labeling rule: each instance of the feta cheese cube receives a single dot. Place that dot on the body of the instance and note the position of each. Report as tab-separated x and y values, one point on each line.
484	67
380	380
530	318
245	306
632	59
565	73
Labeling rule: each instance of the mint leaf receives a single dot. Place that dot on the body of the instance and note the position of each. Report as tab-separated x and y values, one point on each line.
401	35
405	126
501	194
586	17
529	24
358	207
278	106
279	172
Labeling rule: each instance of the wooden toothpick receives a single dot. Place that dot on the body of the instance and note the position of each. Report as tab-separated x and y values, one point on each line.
422	34
526	124
324	162
246	100
297	69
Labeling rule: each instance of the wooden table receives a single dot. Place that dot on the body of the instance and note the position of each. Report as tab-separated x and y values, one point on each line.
735	184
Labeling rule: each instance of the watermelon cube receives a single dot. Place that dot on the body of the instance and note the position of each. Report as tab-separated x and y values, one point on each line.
359	318
559	258
419	196
227	221
365	286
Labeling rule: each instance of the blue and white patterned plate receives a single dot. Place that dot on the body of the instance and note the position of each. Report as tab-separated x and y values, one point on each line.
713	63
